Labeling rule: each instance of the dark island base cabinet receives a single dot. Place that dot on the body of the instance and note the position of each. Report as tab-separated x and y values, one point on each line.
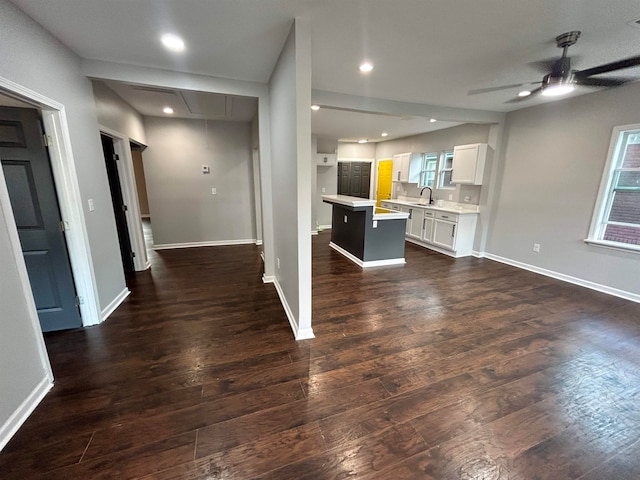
353	231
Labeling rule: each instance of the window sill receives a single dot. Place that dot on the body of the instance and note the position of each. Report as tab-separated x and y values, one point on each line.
613	245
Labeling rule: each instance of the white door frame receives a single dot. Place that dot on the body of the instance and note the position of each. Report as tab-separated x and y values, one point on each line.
122	148
70	201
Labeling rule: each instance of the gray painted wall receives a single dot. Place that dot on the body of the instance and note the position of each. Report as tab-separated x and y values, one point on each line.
290	97
437	141
553	161
182	208
21	364
114	113
28	51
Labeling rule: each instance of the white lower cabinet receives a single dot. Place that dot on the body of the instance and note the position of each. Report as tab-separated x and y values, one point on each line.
414	229
427	226
445	232
407	210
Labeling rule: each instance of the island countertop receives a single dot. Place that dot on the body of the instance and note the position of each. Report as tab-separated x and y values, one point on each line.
348	201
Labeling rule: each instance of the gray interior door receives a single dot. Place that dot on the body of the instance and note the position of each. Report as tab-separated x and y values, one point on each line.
27	172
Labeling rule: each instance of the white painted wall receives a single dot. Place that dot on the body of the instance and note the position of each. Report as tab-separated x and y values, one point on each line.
32	58
548	181
183	209
290	97
356	150
114	113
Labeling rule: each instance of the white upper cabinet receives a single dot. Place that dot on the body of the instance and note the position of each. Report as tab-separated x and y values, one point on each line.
468	163
406	167
326	159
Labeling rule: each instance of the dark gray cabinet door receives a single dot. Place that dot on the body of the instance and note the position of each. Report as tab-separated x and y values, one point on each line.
27	172
354	179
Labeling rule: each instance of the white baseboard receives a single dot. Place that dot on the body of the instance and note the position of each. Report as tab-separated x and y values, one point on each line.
115	303
268	278
213	243
20	415
299	334
324	227
634	297
258	242
147	265
314	232
370	263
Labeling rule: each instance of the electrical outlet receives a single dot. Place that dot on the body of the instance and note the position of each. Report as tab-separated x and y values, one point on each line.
214	191
324	190
278	263
91	205
536	247
206	169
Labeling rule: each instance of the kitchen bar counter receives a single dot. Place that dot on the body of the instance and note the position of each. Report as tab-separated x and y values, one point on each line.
366	235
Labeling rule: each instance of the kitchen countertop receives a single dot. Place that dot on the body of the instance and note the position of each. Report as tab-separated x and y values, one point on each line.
458	210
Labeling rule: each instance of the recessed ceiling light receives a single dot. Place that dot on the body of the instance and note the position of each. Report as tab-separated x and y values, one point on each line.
172	42
384	134
433	120
167	110
315	108
363	140
366	67
524	93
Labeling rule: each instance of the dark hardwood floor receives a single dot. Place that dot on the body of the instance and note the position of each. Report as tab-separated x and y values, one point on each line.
441	369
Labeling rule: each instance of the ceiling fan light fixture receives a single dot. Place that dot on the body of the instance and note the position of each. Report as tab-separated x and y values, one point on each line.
172	42
365	67
384	134
557	89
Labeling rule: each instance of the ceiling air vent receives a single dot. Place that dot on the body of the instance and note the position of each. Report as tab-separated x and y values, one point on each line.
634	23
164	91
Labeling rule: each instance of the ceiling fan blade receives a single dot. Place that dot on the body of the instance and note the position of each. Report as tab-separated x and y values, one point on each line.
534	93
548	65
494	89
603	82
503	87
608	67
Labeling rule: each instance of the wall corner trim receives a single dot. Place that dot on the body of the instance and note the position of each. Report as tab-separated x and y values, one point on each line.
634	297
15	421
298	333
115	303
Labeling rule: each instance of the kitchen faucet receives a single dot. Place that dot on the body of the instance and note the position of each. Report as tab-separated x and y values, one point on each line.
430	194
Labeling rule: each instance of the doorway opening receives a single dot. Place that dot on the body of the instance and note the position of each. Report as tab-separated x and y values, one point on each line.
119	207
33	197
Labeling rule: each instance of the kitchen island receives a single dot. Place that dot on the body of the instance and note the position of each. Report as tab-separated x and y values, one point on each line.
367	235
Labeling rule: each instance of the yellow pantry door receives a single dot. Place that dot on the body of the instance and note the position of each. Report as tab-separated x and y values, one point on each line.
385	172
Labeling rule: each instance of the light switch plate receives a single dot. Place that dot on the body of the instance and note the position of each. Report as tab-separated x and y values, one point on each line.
214	191
91	205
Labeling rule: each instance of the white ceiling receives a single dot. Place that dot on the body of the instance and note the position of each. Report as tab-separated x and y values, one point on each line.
186	103
430	52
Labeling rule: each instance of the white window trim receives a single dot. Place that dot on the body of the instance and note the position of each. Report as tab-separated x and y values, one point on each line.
425	170
441	160
603	194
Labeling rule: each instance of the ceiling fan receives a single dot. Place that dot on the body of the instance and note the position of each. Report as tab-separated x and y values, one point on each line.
561	79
